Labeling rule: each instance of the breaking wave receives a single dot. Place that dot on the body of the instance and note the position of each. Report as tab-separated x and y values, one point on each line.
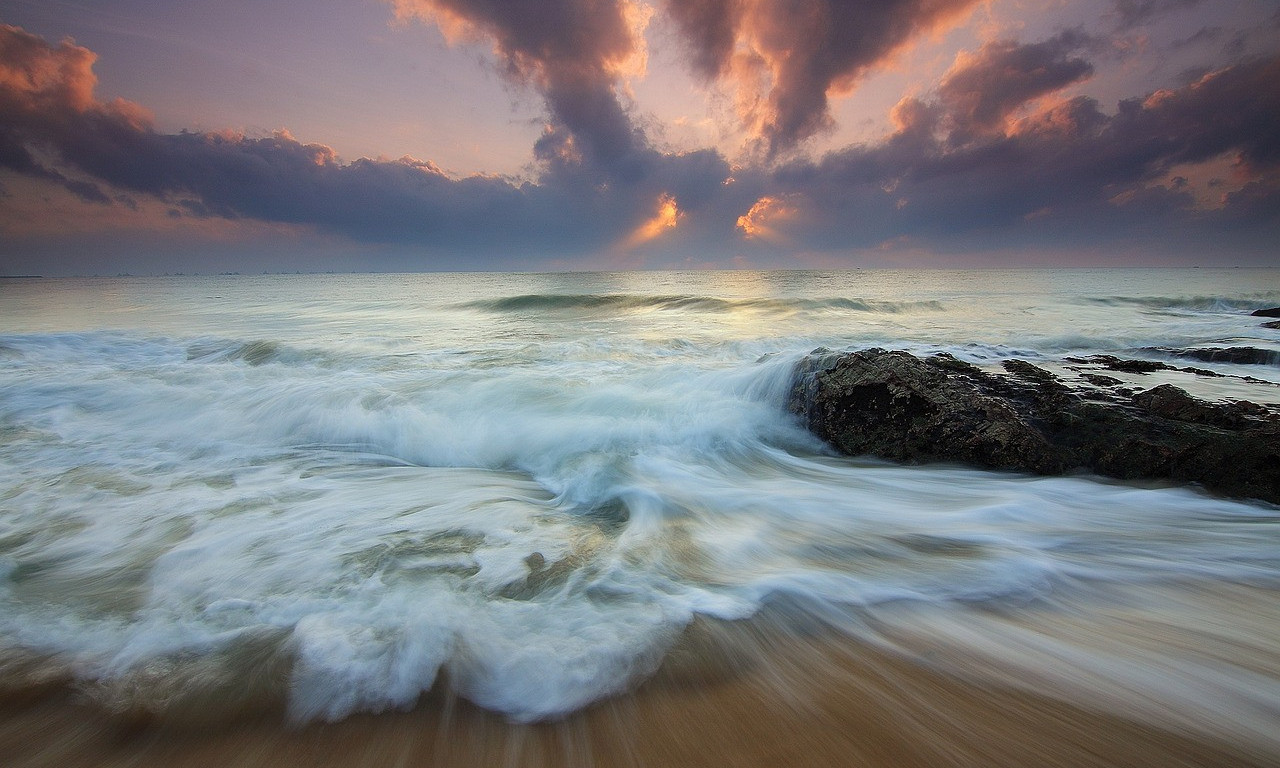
1192	303
625	302
335	506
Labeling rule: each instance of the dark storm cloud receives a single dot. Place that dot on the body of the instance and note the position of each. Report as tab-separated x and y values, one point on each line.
1068	171
575	52
15	157
710	30
807	48
984	89
47	109
572	51
989	157
36	79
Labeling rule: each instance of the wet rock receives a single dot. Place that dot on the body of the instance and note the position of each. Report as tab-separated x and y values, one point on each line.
1272	312
1236	355
901	407
1113	363
1122	365
1275	324
1170	402
898	406
1098	380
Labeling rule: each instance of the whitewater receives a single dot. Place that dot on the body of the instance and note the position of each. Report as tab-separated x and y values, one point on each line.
340	490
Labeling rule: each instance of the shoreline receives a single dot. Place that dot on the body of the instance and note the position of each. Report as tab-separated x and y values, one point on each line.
755	693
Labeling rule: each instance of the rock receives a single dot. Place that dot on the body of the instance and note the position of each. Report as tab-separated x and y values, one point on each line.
1098	380
1113	363
905	408
1272	312
897	406
1170	402
1275	324
1237	355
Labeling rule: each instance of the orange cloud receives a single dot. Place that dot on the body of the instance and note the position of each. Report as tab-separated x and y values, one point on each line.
31	69
760	222
38	79
666	218
784	58
985	90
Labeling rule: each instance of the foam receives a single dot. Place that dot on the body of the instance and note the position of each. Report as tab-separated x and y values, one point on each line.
370	498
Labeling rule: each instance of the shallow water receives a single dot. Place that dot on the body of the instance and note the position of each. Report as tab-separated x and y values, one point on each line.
329	489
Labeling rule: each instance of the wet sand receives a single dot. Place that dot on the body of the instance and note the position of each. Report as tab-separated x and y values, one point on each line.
728	695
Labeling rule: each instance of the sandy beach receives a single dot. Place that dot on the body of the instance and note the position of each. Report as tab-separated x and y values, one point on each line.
729	695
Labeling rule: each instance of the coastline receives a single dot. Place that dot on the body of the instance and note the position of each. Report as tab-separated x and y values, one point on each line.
270	474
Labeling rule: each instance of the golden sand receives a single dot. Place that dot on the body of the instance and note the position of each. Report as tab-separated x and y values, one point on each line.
729	695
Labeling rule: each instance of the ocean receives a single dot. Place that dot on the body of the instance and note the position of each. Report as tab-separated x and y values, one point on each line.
335	492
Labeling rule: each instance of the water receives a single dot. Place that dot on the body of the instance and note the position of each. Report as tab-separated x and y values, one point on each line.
332	488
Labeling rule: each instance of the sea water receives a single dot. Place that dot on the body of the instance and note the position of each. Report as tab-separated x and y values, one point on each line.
340	489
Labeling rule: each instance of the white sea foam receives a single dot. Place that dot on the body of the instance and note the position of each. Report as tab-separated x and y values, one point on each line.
534	507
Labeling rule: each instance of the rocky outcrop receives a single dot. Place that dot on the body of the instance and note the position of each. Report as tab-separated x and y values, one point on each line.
1271	312
940	409
1234	355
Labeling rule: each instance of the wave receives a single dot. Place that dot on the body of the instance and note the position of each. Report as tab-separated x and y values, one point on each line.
194	523
625	302
254	353
1191	303
358	590
121	350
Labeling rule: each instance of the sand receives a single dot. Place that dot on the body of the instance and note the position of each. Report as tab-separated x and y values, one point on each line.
744	694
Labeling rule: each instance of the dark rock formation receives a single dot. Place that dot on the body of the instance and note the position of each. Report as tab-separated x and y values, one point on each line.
901	407
1272	312
1237	355
1273	324
1113	363
1098	380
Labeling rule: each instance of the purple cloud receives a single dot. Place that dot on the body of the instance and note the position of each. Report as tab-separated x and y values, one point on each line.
988	159
807	48
983	89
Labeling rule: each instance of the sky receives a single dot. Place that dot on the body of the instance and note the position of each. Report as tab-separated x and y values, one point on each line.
183	136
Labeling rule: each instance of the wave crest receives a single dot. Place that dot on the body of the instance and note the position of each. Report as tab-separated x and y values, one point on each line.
1192	303
637	302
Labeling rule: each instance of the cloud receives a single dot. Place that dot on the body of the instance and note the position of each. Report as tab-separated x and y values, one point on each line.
981	90
574	52
710	29
994	156
1135	13
34	75
799	51
782	56
38	81
762	219
51	124
666	217
1068	172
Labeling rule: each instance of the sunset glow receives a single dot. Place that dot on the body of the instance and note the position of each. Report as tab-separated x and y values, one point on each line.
537	135
666	218
765	216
